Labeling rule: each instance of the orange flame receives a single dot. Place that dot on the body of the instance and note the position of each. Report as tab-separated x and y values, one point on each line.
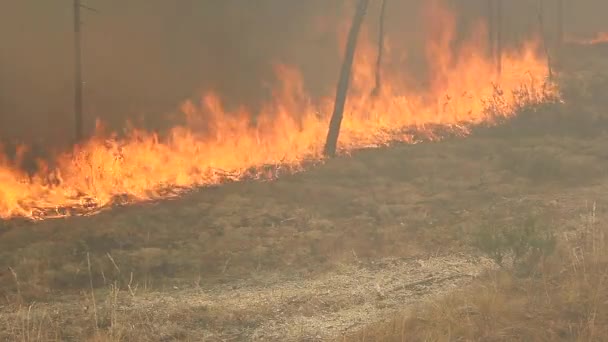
218	145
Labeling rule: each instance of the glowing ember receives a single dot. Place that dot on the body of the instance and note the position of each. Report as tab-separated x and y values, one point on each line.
217	145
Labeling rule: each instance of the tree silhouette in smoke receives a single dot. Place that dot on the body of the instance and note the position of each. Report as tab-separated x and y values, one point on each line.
331	142
378	85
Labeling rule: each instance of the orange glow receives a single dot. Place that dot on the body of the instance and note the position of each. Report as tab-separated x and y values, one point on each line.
217	146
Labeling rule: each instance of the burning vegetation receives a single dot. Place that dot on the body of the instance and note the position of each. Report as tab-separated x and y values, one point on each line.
496	236
218	145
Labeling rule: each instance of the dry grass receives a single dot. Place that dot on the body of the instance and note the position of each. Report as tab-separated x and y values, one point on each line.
560	296
82	278
352	210
552	285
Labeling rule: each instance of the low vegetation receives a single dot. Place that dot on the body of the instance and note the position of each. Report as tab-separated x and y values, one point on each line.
555	291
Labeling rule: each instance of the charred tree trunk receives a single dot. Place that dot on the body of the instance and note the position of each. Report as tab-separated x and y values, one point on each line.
378	85
560	28
77	73
499	34
491	28
541	24
336	119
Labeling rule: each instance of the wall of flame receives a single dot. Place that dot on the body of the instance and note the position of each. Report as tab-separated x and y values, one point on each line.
218	143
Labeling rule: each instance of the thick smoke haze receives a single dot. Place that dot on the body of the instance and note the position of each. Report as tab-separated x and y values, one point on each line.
142	58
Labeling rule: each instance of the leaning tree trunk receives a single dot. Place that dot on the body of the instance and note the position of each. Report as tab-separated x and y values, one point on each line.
378	85
336	119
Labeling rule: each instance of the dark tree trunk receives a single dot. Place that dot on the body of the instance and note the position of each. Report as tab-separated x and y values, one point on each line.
77	74
499	34
378	85
336	119
541	24
560	27
491	28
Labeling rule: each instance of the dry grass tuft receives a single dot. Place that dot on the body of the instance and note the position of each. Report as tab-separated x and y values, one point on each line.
563	296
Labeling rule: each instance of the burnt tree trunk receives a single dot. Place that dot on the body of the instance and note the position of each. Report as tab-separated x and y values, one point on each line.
499	34
491	28
541	24
560	28
77	74
336	119
378	85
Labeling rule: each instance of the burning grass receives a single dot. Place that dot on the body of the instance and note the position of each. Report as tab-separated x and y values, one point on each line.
406	201
82	278
217	145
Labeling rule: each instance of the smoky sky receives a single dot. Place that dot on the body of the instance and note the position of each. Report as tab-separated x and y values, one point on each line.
142	58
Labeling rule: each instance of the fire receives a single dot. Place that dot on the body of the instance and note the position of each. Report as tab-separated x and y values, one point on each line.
217	145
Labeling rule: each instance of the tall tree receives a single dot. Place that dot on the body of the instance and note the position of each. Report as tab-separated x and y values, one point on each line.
541	25
331	142
77	73
499	34
378	85
560	27
491	28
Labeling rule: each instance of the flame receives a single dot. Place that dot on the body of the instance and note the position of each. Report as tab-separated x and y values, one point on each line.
218	145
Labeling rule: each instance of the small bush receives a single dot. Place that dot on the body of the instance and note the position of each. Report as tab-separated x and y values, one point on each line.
524	243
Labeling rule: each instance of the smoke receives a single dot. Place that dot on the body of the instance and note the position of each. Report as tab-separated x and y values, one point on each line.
143	57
